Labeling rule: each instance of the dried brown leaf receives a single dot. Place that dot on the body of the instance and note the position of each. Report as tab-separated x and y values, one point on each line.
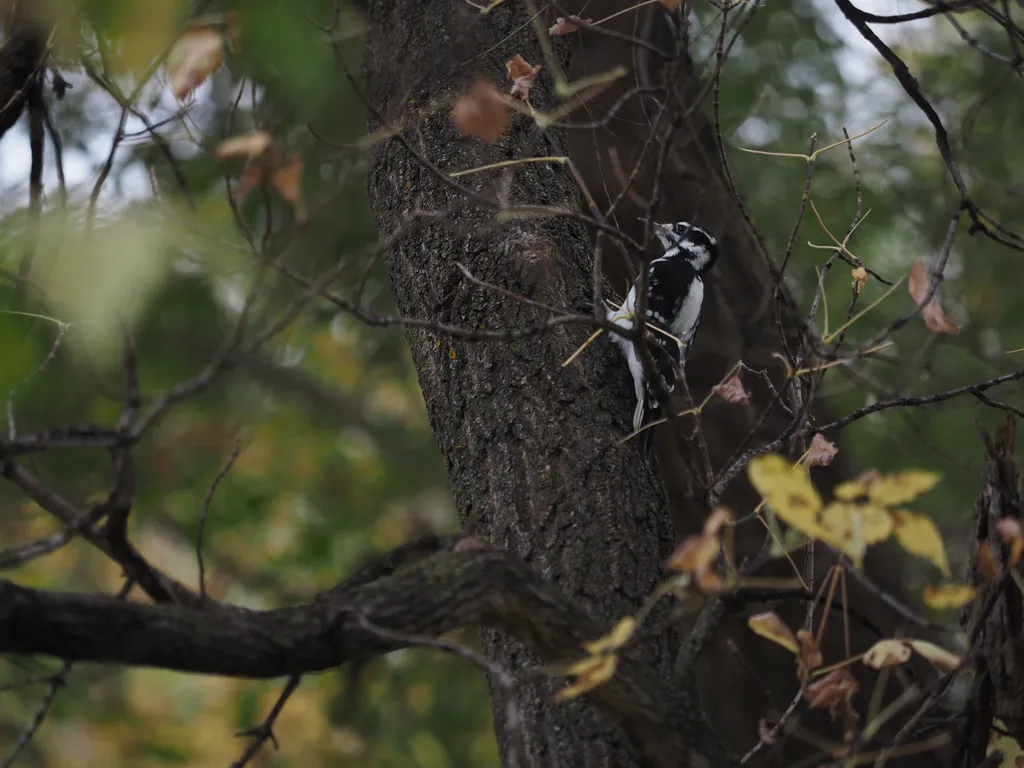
481	112
936	320
522	75
821	452
732	391
709	582
198	53
564	26
694	554
832	691
717	520
809	657
860	279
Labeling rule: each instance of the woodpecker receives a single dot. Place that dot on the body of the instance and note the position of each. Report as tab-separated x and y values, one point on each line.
675	296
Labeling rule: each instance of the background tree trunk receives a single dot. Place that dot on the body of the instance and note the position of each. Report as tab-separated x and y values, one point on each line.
745	318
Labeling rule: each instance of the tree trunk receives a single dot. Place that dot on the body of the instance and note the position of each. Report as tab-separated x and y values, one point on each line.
530	447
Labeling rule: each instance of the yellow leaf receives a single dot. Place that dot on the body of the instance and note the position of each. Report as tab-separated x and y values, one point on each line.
844	530
1013	755
887	653
614	639
948	596
919	536
851	528
940	657
902	487
858	487
590	673
770	626
789	492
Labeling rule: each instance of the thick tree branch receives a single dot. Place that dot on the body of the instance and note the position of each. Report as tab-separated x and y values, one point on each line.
437	595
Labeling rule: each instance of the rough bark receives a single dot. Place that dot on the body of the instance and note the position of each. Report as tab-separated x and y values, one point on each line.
996	619
20	59
529	446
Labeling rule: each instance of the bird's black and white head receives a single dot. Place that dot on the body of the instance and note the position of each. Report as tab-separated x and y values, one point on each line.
693	243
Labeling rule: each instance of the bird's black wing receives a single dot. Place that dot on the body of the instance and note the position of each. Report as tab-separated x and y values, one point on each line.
668	285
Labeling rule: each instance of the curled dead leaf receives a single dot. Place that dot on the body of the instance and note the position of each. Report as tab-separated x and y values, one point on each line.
821	451
196	55
887	653
522	75
731	390
860	279
936	320
697	554
481	112
694	554
768	625
564	26
717	520
810	657
831	691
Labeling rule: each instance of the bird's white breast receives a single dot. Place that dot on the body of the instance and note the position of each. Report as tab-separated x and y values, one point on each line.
686	321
